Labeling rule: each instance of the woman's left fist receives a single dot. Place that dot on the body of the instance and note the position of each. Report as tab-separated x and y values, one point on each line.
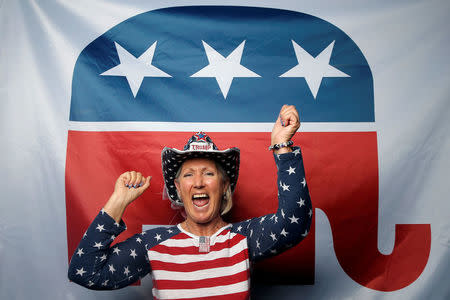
286	126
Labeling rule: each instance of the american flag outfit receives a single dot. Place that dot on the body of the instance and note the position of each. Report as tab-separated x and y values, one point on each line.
182	267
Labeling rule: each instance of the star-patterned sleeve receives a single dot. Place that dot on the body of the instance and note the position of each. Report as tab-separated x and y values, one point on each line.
98	266
273	233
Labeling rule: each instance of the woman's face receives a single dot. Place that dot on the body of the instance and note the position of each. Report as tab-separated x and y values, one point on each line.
201	188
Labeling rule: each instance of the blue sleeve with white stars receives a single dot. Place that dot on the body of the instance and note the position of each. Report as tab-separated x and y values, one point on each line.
98	266
273	233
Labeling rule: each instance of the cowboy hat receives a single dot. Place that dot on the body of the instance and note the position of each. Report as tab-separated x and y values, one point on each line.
199	145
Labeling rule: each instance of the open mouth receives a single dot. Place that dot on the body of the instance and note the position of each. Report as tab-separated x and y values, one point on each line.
200	200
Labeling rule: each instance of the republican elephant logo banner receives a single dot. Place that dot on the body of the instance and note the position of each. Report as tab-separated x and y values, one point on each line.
151	80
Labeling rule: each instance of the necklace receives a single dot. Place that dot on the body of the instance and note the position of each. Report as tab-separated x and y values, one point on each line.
204	242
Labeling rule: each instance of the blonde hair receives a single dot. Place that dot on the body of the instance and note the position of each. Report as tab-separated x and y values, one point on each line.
227	199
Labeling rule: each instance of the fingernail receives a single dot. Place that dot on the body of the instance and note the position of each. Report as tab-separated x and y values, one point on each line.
127	185
140	184
282	123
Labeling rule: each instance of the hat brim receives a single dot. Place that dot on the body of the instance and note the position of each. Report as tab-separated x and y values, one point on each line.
172	159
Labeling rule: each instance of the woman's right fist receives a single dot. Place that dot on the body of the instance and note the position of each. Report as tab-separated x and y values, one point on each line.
130	185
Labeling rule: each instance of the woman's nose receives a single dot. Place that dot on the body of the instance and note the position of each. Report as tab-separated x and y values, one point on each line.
198	181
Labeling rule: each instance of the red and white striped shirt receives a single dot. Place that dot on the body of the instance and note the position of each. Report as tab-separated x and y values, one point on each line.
181	271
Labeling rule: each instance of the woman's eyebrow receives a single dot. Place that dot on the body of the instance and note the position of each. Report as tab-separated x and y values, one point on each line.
201	169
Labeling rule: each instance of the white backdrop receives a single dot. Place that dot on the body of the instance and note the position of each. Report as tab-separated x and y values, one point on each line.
407	46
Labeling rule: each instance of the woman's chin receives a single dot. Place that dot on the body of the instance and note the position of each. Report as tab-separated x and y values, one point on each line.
201	212
201	217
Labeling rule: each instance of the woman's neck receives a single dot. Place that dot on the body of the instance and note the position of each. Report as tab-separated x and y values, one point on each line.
203	229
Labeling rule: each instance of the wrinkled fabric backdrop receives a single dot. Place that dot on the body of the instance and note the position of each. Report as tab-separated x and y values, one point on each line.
371	85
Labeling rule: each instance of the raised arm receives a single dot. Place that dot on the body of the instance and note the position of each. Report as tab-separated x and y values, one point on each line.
95	264
271	234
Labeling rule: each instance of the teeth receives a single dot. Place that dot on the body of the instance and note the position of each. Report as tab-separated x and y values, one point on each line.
200	200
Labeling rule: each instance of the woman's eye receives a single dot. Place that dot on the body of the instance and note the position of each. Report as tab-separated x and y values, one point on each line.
210	173
187	175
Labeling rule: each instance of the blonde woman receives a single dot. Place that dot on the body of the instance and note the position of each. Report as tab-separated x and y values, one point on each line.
204	256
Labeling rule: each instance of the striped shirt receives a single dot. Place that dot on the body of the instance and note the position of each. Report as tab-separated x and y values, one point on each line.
180	270
186	266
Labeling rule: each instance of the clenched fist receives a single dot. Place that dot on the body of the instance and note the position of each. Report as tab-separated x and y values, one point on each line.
129	186
286	126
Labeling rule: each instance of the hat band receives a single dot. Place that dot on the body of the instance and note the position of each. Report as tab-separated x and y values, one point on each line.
194	146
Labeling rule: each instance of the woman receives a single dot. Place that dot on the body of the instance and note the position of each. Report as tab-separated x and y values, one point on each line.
202	256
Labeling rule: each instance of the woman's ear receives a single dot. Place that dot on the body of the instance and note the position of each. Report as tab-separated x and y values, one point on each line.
177	185
225	186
